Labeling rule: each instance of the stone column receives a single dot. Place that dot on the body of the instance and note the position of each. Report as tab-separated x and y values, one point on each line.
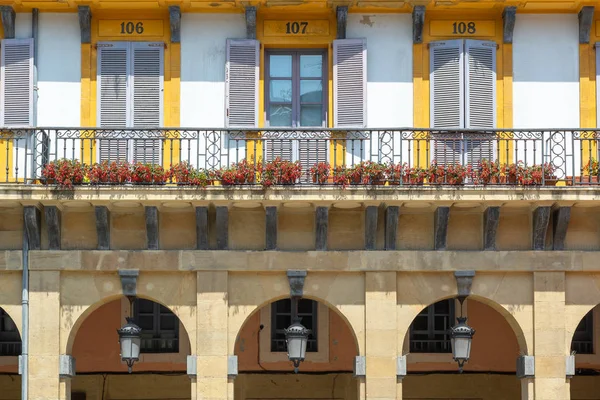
212	381
549	330
44	330
381	336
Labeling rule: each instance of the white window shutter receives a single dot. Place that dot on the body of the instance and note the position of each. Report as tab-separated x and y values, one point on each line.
597	85
350	83
241	83
446	82
480	86
17	83
147	83
113	98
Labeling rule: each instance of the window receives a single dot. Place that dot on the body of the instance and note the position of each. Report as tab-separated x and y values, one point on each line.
10	340
429	330
160	327
281	319
17	83
583	339
463	96
130	95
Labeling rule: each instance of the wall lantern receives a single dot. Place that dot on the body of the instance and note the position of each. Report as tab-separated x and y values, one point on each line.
296	337
461	336
130	339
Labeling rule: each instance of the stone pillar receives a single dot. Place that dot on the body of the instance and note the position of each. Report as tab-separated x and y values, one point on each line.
381	336
527	389
549	330
212	381
44	343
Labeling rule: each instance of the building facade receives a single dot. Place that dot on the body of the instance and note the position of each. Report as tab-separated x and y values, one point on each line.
216	157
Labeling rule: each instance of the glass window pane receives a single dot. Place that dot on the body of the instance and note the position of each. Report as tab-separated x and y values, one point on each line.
442	307
145	306
420	323
167	323
311	91
305	306
311	115
280	115
311	66
280	66
283	322
283	306
280	91
146	323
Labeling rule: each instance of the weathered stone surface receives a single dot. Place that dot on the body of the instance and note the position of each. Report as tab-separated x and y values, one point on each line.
371	216
152	234
222	227
103	227
53	226
271	228
33	227
440	227
560	222
392	214
202	228
321	227
491	219
541	218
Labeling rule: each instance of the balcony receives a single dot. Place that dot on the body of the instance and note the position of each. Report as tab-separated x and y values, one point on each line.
386	158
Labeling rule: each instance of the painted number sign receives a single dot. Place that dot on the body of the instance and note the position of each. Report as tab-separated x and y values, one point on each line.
129	28
296	28
462	28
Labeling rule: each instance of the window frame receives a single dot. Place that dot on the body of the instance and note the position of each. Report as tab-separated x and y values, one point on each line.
431	332
313	339
157	332
296	78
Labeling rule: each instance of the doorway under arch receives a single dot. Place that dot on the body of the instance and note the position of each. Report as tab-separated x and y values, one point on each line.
585	343
10	349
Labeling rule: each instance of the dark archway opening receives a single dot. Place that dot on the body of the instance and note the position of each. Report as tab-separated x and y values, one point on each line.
10	349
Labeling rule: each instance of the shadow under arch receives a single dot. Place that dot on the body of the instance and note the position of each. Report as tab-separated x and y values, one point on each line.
499	308
17	327
106	300
330	306
12	341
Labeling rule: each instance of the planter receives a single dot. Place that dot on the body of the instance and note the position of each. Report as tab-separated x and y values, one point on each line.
582	180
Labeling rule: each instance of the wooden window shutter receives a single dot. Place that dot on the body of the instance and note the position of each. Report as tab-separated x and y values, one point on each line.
113	98
350	83
447	109
480	87
241	83
17	83
147	82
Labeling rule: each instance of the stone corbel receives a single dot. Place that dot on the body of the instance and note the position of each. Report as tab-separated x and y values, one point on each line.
525	367
66	366
8	21
129	281
464	281
175	21
360	367
296	279
509	16
342	18
418	19
250	22
85	23
586	18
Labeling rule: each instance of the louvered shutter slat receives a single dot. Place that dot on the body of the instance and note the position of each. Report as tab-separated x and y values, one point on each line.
241	83
480	98
112	100
17	82
447	98
147	100
349	83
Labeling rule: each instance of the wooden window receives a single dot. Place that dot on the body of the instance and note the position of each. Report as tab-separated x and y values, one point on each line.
130	95
10	340
281	319
160	327
463	96
429	330
583	339
16	94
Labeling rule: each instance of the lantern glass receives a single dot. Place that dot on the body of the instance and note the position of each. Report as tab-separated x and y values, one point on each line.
461	348
130	348
296	346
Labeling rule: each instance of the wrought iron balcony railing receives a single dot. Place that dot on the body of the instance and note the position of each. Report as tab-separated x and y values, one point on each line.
563	155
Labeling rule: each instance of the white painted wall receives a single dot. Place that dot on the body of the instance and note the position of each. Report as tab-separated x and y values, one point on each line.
23	25
389	79
546	75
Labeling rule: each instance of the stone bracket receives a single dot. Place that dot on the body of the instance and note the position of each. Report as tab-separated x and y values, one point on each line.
509	16
152	230
418	20
525	367
341	13
103	227
222	223
175	21
464	281
250	22
85	23
66	366
360	367
570	366
371	217
541	218
192	369
296	279
560	222
401	367
321	228
33	223
129	281
232	367
271	228
391	227
52	217
440	227
201	228
491	220
586	18
8	21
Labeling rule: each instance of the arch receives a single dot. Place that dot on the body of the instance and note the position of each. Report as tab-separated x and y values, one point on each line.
582	294
17	322
342	293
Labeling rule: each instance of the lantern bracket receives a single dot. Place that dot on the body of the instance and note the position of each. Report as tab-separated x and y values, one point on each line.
296	280
129	281
464	281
